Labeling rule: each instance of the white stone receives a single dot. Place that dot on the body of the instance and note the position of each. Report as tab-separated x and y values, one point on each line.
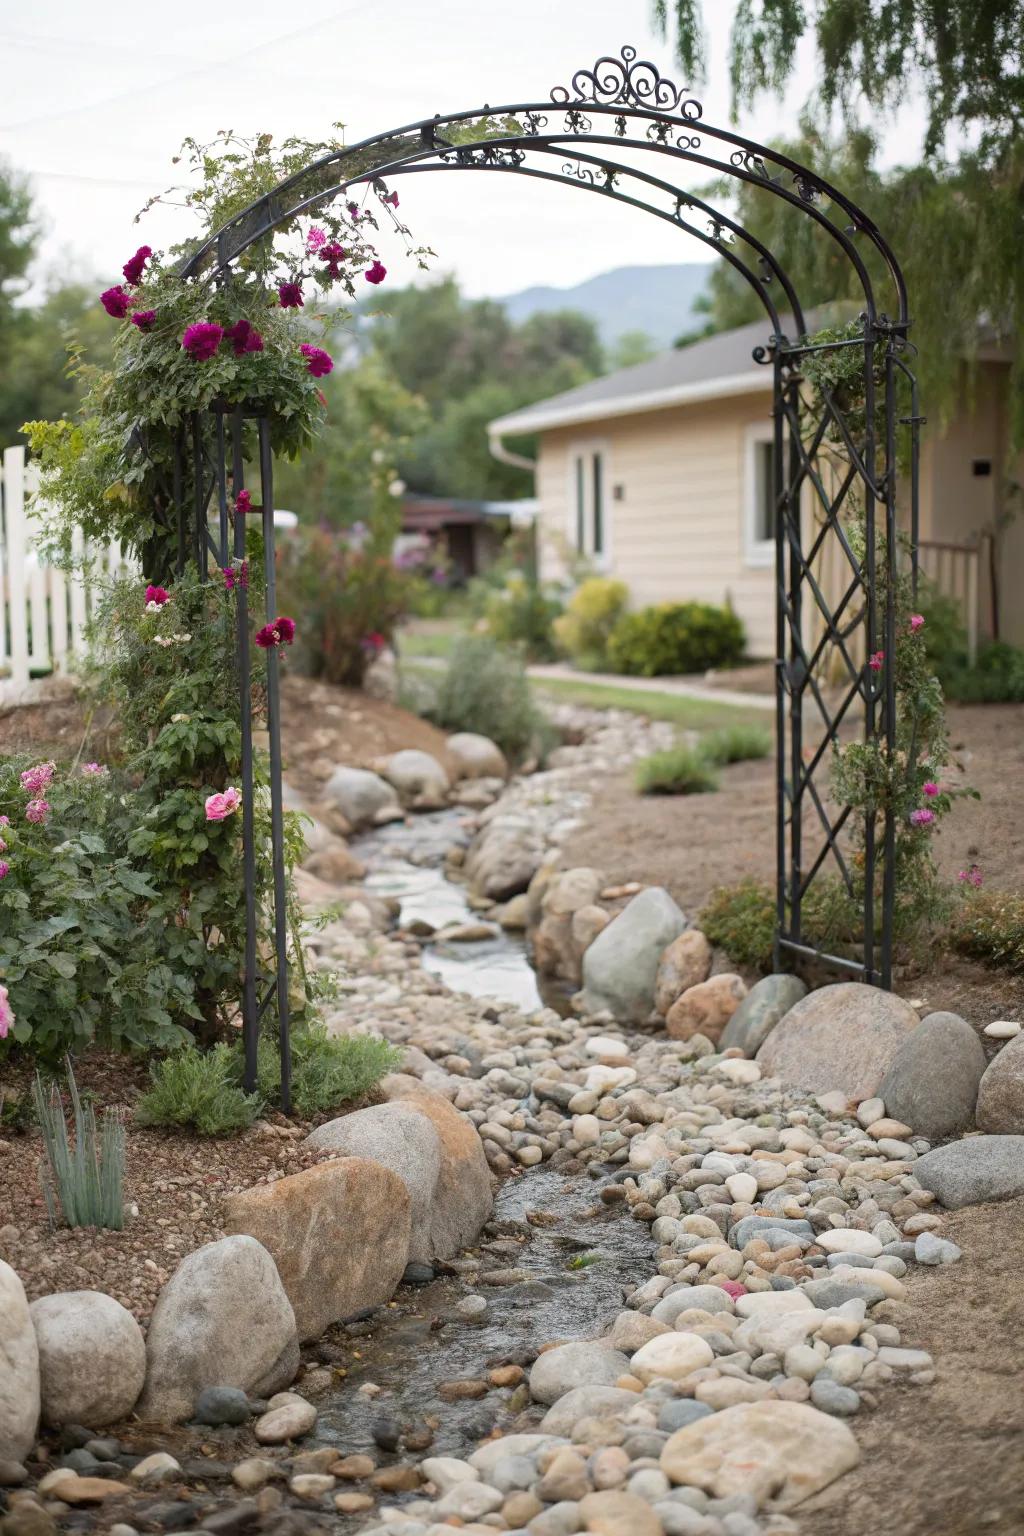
869	1111
445	1472
470	1501
850	1240
1002	1029
834	1102
740	1072
604	1045
905	1359
893	1288
803	1361
92	1358
289	1417
19	1375
742	1188
155	1468
671	1356
605	1078
765	1303
586	1129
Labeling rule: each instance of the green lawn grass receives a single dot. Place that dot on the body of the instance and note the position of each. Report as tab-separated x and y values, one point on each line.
688	714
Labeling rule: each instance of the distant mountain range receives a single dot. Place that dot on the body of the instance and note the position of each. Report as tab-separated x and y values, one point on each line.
657	300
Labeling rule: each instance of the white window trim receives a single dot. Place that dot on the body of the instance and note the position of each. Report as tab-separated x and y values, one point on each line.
756	552
585	448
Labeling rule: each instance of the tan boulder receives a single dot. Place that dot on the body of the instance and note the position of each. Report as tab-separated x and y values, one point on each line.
334	863
463	1197
338	1233
587	923
706	1008
842	1038
19	1369
686	961
773	1450
555	951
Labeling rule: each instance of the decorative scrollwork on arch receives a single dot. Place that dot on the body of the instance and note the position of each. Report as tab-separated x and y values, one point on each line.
485	154
635	82
753	164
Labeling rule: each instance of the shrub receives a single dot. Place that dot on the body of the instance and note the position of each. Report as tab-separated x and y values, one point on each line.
736	744
675	638
199	1089
327	1071
997	675
523	613
591	614
87	1181
677	771
741	920
990	927
485	689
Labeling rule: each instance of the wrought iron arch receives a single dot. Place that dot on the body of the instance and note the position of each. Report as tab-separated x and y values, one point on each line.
613	116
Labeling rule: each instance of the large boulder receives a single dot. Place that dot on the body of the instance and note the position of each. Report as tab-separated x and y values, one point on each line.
706	1008
335	864
772	1450
767	1002
973	1170
932	1082
223	1319
843	1037
402	1139
419	778
19	1369
339	1234
621	966
92	1358
1001	1092
504	856
360	796
555	948
568	1366
463	1198
476	757
685	963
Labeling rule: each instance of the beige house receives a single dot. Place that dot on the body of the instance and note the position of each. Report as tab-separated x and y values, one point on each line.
661	476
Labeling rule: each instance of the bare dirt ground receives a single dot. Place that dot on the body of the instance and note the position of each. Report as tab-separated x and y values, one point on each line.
690	844
947	1460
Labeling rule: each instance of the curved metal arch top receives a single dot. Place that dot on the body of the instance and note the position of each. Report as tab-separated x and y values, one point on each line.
647	115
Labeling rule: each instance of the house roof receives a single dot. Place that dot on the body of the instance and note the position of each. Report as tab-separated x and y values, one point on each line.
428	513
716	367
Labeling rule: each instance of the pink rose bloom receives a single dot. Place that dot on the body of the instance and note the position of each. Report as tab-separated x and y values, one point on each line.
916	622
5	869
157	595
243	502
316	238
37	811
219	807
971	876
37	778
377	273
875	661
930	789
922	818
6	1014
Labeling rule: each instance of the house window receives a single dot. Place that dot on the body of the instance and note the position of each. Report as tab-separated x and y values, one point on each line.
759	495
589	512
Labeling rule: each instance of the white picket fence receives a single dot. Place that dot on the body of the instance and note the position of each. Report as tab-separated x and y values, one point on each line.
45	611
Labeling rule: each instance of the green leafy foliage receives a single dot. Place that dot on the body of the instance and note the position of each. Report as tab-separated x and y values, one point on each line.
84	1180
989	926
672	638
485	689
676	771
591	614
741	920
736	744
523	613
199	1090
328	1071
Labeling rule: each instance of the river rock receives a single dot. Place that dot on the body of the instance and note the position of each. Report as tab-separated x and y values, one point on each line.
932	1081
476	757
462	1198
685	962
400	1138
19	1369
359	795
338	1233
557	1371
671	1357
504	857
584	1403
288	1417
92	1358
620	967
973	1170
555	951
1001	1092
772	1450
612	1512
767	1002
841	1038
224	1318
706	1008
335	864
416	776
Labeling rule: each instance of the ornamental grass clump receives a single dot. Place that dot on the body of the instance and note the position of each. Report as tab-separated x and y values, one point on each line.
676	771
736	744
199	1090
327	1071
485	689
83	1180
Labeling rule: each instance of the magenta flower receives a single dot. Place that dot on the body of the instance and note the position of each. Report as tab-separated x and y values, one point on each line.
35	779
316	238
116	301
5	821
220	806
372	644
280	632
201	340
875	661
5	869
243	338
318	362
930	789
922	818
3	846
37	811
145	319
289	295
236	576
377	273
6	1014
157	595
353	212
133	269
334	255
916	622
971	876
93	771
392	198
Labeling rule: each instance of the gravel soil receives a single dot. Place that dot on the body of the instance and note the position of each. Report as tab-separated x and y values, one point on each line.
947	1460
692	843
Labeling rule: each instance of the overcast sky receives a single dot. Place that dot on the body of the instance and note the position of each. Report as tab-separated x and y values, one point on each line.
98	96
